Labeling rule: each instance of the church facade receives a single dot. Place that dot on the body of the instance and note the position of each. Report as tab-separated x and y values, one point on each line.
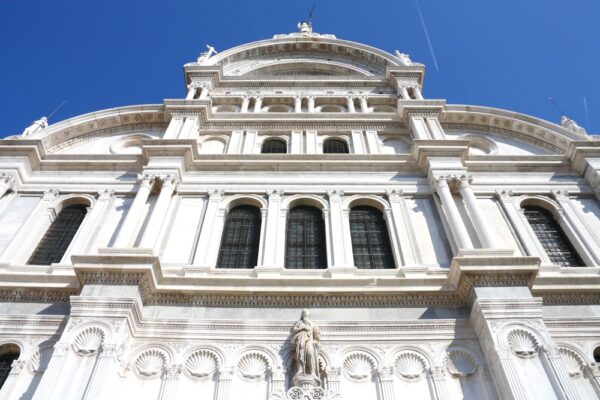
304	224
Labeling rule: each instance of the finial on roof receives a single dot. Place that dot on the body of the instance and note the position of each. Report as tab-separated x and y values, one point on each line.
35	127
207	54
404	58
571	125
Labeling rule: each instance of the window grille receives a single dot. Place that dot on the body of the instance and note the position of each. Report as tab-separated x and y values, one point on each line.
305	239
370	239
335	146
241	238
551	236
57	239
274	146
6	361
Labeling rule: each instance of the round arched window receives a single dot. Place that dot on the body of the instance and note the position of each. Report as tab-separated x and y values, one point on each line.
335	146
8	354
274	146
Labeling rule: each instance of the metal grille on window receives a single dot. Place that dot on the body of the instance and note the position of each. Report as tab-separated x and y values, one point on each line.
551	236
273	146
6	361
305	239
241	237
55	242
335	146
370	239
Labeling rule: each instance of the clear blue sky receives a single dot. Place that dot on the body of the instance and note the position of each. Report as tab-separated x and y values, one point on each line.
510	54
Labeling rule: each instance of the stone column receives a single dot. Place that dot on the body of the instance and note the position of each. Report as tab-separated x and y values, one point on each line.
373	142
350	104
296	147
357	142
328	237
311	104
245	103
257	104
417	92
6	183
340	245
334	376
207	239
297	104
192	90
364	106
174	128
272	229
168	387
105	366
249	142
205	88
386	380
235	143
225	378
311	142
189	130
125	237
559	372
438	378
520	225
169	182
479	221
47	387
455	222
593	373
404	93
263	233
277	380
403	242
573	219
13	377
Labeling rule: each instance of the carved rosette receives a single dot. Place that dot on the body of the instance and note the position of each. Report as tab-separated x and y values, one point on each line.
202	364
296	393
460	363
410	365
253	366
359	367
150	363
522	342
89	341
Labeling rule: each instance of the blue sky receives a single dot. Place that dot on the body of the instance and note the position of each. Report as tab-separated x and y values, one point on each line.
100	54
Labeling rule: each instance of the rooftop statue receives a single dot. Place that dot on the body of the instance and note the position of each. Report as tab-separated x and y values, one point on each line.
207	54
305	27
571	125
35	127
404	58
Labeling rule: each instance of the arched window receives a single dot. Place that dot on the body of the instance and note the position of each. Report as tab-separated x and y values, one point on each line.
241	237
370	239
305	239
335	146
551	236
597	354
55	242
274	146
8	354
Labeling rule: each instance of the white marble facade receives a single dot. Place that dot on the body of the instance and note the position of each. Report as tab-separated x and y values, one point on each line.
475	307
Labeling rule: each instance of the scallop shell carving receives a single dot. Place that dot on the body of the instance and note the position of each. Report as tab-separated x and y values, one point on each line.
572	361
202	364
522	343
410	365
359	366
253	366
460	363
89	340
40	360
150	363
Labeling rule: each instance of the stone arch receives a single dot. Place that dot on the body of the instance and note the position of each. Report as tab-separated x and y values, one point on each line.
222	108
482	143
305	200
365	200
285	108
121	145
383	108
213	144
244	199
539	201
67	200
330	108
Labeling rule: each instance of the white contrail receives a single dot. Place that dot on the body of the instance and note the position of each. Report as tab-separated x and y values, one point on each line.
585	108
427	36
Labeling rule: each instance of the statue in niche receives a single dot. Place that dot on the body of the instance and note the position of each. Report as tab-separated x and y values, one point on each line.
404	58
207	54
305	345
35	127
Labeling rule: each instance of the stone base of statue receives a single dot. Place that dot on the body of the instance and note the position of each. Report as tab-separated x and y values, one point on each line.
298	393
306	381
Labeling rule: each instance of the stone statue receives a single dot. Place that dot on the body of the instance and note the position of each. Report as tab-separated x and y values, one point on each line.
305	27
571	125
35	127
404	58
305	344
207	54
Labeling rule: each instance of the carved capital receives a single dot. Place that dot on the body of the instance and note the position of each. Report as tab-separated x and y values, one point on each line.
173	371
335	194
50	195
169	181
465	180
394	194
386	373
560	195
7	180
504	195
226	374
146	179
438	373
215	194
106	194
274	194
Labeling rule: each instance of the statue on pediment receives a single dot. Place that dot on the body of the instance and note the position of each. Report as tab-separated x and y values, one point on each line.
207	54
571	125
35	127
